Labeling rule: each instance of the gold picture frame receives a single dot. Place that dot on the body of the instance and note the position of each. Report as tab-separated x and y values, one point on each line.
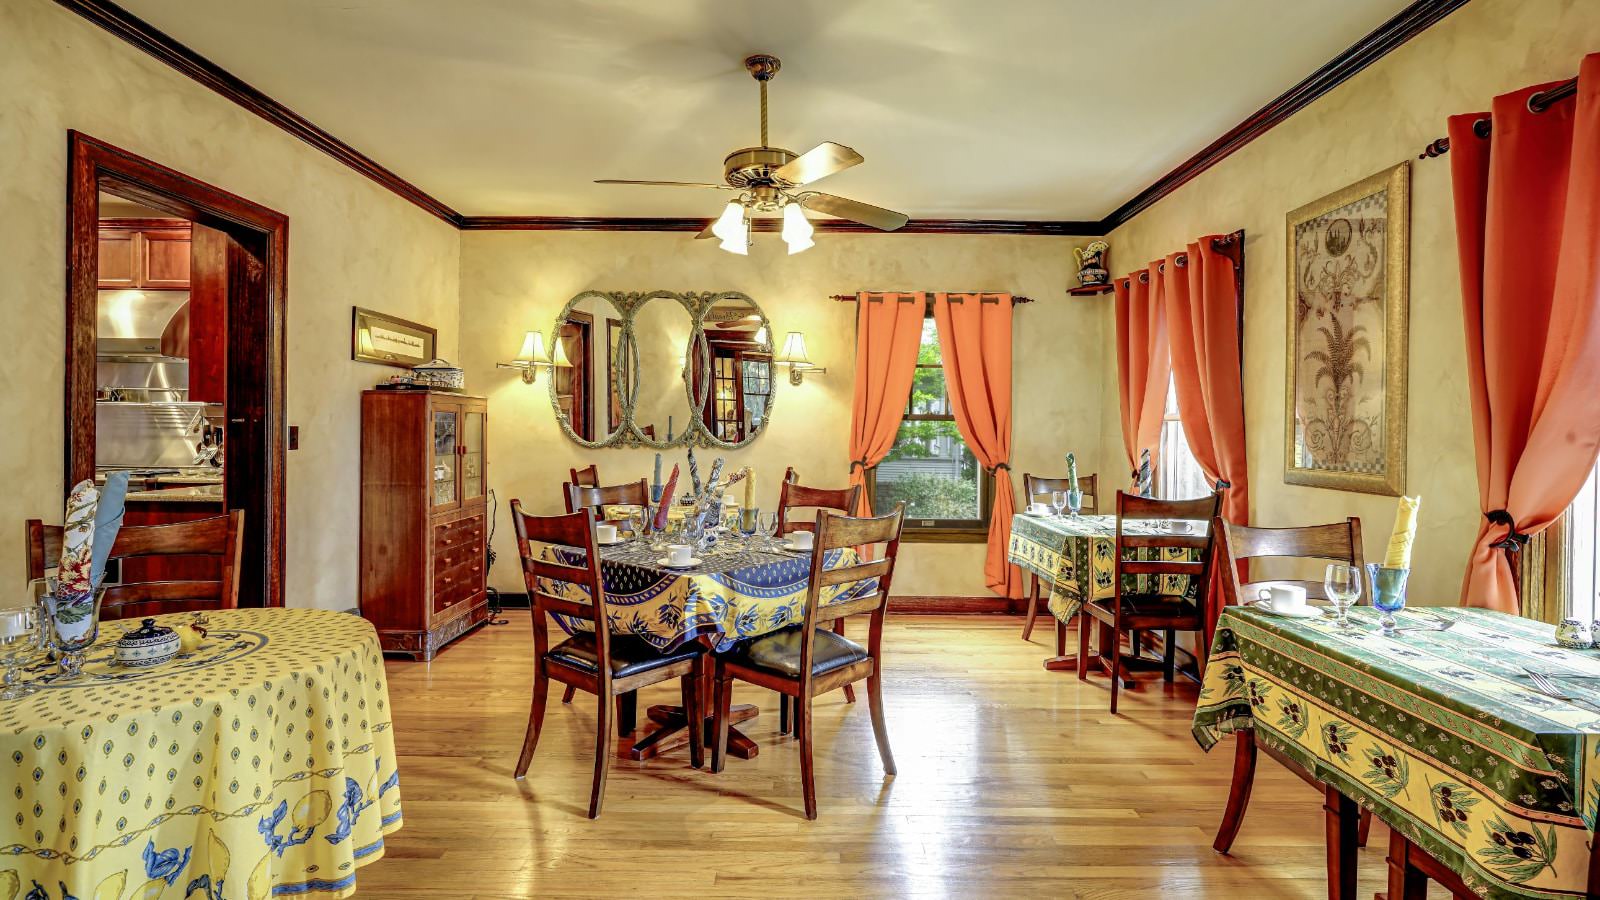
376	337
1348	272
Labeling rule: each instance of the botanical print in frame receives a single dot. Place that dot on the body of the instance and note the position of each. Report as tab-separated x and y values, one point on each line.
386	340
1348	276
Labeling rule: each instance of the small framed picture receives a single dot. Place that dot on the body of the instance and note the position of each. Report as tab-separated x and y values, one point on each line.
388	341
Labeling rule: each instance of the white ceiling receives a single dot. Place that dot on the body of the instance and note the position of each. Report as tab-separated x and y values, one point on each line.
1014	109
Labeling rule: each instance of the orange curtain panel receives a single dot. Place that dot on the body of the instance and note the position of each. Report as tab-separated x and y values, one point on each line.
888	333
975	340
1200	288
1144	363
1528	226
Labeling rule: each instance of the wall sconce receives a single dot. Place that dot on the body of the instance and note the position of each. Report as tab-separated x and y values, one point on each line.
794	356
532	357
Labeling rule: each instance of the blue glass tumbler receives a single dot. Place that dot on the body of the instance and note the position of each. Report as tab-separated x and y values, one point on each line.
1388	593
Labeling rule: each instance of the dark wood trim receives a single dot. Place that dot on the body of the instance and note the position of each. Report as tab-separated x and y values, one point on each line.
260	240
147	37
1404	26
824	226
1407	24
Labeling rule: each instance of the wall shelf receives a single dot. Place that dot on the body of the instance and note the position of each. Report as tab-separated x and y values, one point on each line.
1090	290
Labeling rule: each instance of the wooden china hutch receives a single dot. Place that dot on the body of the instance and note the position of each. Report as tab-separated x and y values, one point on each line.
424	519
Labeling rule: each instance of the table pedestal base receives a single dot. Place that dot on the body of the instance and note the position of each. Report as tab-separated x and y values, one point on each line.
672	732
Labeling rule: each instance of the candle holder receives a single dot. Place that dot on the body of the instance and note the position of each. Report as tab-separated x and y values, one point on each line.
1388	593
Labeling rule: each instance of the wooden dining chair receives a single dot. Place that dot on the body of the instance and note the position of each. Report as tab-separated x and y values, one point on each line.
1127	611
606	665
217	537
792	496
1037	489
1337	542
588	476
580	496
802	661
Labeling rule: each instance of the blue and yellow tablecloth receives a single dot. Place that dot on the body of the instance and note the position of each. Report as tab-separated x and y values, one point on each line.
263	765
1440	733
730	595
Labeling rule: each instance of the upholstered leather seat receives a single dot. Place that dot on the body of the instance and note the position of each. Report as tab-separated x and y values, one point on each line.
629	655
780	652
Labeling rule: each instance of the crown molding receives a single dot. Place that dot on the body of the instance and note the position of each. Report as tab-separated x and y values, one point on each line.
1409	23
824	226
162	46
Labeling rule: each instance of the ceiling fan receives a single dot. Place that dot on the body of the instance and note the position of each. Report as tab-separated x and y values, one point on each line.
768	181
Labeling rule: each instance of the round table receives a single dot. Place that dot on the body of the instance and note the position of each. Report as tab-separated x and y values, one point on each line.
262	764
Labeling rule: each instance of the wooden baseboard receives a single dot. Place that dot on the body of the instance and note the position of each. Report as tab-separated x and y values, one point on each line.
940	605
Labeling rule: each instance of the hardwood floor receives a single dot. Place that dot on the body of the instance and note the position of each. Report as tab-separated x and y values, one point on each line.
1013	781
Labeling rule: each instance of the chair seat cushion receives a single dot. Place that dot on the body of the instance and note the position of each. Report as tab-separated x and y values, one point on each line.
629	655
780	652
1172	605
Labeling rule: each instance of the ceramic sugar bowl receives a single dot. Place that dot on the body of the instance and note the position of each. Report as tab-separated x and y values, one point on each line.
149	645
1574	635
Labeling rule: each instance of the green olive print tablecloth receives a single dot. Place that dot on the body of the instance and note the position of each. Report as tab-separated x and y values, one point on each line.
1075	555
1441	733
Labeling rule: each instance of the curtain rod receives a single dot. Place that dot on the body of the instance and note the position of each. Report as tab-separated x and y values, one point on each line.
851	298
1538	103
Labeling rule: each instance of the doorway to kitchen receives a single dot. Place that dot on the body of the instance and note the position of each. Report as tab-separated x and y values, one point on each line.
176	351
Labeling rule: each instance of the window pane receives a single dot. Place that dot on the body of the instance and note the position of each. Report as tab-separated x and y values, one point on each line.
931	469
928	395
1181	477
1583	554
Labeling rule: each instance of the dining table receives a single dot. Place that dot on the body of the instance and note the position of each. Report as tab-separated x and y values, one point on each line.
261	764
1076	557
1441	729
739	588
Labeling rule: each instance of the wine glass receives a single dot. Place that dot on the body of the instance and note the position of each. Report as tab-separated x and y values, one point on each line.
1343	586
1058	499
18	644
1074	503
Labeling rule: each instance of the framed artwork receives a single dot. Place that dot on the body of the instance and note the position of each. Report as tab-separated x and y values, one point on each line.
388	341
1348	277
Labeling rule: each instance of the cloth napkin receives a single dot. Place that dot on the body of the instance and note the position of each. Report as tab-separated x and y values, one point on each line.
75	572
1405	532
107	522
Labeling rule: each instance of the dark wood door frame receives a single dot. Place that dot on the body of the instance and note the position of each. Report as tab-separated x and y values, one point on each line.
258	287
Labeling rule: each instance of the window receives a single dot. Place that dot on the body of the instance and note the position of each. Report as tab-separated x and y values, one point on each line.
947	494
1582	564
1178	475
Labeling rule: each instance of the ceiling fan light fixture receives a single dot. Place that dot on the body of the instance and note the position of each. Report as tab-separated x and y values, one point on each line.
797	230
731	225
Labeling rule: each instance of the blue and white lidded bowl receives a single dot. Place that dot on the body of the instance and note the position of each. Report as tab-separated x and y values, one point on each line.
149	645
1574	635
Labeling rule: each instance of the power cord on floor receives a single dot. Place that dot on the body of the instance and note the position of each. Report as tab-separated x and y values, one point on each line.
495	609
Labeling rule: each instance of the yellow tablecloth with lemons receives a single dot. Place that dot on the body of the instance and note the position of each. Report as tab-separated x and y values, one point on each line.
261	765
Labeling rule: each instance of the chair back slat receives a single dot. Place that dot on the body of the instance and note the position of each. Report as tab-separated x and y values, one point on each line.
633	493
574	531
793	495
217	537
837	532
1335	542
861	572
588	476
1131	507
1038	488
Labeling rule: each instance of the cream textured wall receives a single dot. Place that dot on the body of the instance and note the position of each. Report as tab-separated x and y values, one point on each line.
350	243
514	281
1378	118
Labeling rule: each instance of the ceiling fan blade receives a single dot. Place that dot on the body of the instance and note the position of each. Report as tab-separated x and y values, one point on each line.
697	184
856	211
706	231
817	163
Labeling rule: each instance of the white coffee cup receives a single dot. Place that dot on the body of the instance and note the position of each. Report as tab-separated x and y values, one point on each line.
1040	509
679	554
1283	598
801	540
605	534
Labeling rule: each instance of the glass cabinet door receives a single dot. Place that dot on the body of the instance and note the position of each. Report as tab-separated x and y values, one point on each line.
472	427
446	431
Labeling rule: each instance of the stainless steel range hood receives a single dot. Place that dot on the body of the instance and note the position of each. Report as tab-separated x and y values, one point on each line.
142	324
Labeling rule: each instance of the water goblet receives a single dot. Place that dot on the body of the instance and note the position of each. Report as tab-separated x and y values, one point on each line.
18	644
1388	593
1058	499
1343	586
74	620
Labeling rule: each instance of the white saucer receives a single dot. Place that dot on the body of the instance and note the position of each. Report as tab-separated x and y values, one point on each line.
1038	515
1310	612
600	543
665	563
792	547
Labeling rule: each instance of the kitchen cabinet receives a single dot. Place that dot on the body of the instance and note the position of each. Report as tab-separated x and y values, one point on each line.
144	254
424	518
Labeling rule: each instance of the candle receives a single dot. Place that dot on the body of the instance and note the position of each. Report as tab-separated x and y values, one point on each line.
656	479
749	488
